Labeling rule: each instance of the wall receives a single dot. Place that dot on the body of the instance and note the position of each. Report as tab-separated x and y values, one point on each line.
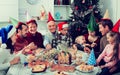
112	6
34	10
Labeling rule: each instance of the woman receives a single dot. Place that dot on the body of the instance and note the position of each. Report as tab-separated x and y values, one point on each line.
33	35
93	36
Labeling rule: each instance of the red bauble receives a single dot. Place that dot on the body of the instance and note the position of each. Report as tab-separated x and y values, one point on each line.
90	7
76	7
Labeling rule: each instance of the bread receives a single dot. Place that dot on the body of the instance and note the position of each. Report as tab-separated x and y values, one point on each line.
58	67
39	68
86	68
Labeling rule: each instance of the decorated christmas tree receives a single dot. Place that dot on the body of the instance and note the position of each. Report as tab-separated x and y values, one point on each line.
81	12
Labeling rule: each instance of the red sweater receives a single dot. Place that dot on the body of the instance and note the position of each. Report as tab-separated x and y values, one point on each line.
37	39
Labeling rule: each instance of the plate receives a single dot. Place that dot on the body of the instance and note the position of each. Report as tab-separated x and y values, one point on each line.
85	71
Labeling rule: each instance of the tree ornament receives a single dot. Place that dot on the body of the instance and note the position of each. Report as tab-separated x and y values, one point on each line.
83	1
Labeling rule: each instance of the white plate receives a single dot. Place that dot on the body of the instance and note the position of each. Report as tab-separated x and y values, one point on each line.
77	68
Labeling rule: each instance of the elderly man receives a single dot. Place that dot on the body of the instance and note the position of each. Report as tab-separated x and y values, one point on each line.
52	27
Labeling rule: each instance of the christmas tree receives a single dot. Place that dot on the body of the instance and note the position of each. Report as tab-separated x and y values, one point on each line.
82	10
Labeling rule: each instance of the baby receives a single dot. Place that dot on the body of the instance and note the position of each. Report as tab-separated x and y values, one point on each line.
80	44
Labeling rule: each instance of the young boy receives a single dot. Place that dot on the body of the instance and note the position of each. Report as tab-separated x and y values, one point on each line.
63	37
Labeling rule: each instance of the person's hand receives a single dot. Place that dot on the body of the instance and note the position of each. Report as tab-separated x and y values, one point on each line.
102	66
74	47
93	45
87	50
48	47
15	61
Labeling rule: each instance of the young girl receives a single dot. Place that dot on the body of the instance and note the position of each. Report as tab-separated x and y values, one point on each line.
109	57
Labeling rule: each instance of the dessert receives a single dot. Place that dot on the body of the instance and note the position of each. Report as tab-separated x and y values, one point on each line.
64	58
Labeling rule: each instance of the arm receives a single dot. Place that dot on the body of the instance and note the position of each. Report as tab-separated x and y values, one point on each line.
101	55
46	41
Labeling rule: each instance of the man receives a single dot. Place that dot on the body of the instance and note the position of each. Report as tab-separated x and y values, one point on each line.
52	27
21	33
105	26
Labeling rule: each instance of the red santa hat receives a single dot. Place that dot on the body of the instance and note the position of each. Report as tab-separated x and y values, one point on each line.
116	27
62	25
50	18
31	21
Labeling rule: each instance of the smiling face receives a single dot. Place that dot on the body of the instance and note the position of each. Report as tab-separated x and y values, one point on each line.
103	30
110	39
23	32
32	28
52	26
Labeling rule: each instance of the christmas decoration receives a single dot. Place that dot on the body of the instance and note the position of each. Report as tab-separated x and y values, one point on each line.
92	25
82	10
42	13
116	27
91	59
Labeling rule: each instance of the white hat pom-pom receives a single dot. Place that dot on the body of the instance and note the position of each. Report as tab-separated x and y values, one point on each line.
3	46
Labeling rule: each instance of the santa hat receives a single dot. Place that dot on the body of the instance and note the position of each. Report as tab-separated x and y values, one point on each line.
92	25
106	15
62	25
91	59
116	27
31	21
14	21
50	18
4	32
19	24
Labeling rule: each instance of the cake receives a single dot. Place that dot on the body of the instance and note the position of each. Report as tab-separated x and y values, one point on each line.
64	58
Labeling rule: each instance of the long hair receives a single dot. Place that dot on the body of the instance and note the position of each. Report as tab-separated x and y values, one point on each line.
116	37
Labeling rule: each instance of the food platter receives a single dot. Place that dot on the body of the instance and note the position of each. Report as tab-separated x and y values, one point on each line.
85	68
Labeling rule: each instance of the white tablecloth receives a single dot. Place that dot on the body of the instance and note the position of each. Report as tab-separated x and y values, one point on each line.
19	69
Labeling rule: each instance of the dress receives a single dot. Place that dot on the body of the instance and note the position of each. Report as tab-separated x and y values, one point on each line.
106	55
37	39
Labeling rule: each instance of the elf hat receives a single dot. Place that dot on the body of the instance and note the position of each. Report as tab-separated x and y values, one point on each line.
14	21
50	18
106	15
62	25
116	27
92	25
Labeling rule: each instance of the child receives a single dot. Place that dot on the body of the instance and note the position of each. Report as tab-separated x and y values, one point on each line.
63	37
108	58
81	44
